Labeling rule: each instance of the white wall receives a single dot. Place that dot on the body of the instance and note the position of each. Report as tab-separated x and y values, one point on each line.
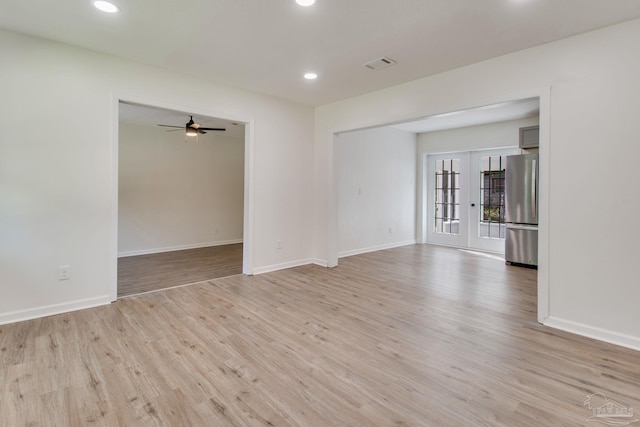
376	189
177	195
58	193
58	169
472	138
588	129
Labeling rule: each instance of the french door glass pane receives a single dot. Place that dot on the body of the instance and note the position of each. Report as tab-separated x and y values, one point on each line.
447	196
491	214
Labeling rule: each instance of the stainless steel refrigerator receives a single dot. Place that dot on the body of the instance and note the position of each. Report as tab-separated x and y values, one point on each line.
521	210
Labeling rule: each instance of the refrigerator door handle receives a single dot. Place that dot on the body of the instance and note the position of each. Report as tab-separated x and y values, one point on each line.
534	193
529	227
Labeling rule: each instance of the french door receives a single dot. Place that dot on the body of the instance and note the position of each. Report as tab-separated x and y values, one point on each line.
447	199
465	199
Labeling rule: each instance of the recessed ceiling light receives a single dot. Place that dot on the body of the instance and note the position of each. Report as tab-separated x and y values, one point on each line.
310	76
105	6
305	2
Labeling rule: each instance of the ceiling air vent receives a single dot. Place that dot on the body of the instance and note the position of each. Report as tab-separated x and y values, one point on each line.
379	63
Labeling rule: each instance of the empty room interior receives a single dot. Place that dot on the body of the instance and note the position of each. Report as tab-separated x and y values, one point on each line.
319	213
180	199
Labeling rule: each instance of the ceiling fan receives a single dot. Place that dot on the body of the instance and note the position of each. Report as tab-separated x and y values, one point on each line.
192	128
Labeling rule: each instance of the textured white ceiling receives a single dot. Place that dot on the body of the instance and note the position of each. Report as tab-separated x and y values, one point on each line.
266	45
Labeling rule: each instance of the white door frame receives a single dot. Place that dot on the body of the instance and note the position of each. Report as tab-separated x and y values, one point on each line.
544	95
247	253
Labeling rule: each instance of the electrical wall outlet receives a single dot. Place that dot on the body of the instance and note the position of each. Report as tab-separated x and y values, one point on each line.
278	244
64	272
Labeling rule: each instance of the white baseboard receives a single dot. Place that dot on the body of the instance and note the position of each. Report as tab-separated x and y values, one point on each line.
375	248
599	334
178	248
50	310
283	266
320	262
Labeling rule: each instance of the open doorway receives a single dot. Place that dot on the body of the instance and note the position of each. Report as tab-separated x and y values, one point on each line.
180	198
434	180
541	102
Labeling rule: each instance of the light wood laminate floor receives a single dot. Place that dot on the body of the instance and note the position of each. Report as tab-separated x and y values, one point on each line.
412	336
145	273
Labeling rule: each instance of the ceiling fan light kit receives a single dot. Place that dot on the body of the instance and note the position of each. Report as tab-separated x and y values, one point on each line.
192	128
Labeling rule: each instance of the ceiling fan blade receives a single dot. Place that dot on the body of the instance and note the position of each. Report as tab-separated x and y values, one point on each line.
174	130
192	125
